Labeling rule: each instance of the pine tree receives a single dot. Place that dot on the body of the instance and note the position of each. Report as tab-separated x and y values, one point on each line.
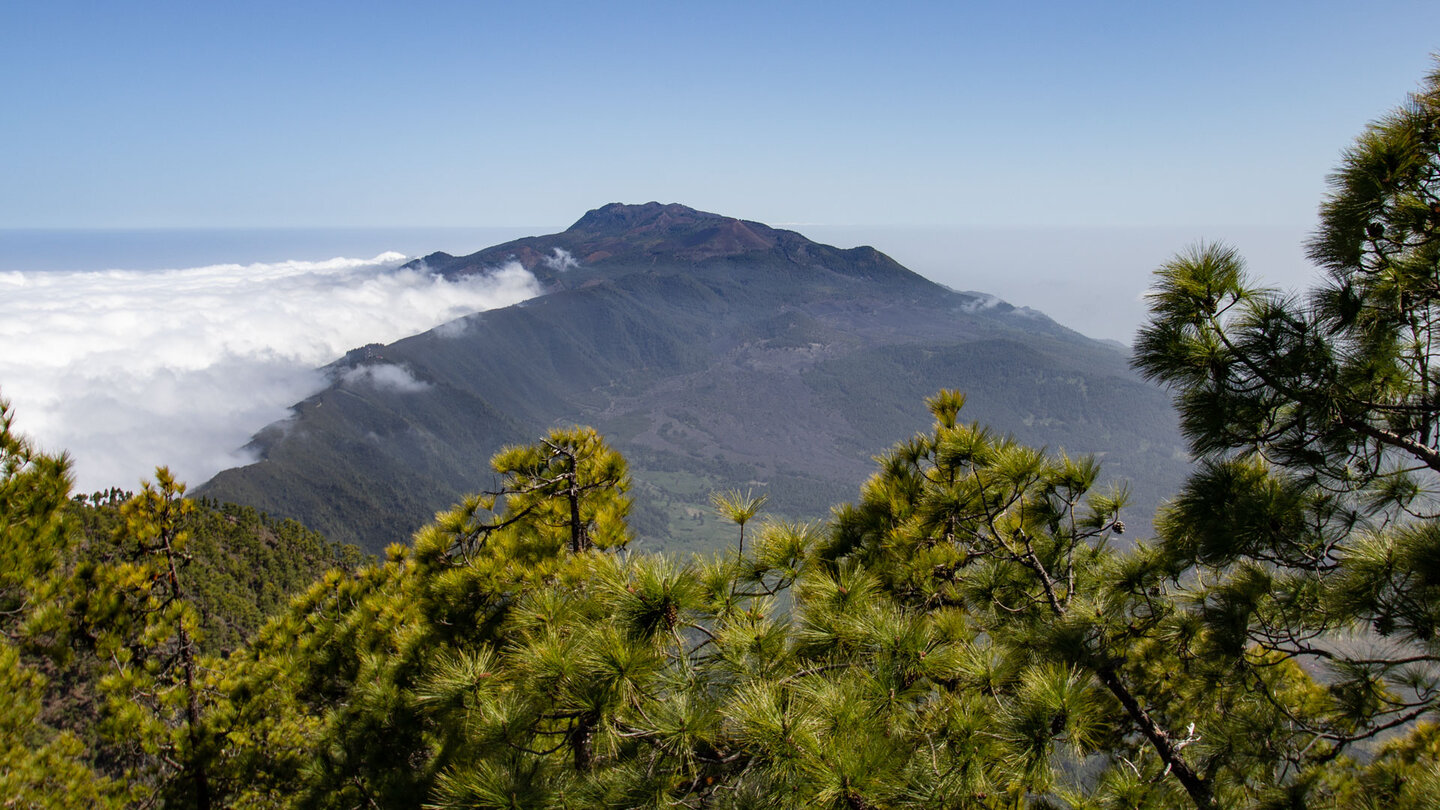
43	766
1313	513
347	689
738	509
1013	545
34	488
130	608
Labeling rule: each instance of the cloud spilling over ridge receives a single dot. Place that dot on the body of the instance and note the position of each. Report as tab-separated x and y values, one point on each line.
130	369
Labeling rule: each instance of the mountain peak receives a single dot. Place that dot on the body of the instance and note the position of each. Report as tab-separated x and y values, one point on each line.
616	219
673	228
621	236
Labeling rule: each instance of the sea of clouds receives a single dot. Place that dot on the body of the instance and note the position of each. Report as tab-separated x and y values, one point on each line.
127	370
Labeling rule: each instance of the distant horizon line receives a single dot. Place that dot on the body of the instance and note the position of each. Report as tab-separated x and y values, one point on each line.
785	225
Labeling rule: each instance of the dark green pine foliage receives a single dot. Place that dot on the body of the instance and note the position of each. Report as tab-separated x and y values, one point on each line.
243	568
1310	531
1071	642
133	611
43	764
114	608
140	680
340	690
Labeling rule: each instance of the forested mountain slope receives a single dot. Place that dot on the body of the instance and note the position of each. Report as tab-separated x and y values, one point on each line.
714	353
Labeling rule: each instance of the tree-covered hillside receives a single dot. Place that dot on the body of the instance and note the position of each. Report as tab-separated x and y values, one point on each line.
243	566
108	603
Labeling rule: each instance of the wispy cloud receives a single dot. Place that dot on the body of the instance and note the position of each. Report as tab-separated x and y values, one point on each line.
385	377
560	260
129	369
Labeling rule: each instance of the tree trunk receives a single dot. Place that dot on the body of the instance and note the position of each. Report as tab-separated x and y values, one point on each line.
1159	739
577	531
580	740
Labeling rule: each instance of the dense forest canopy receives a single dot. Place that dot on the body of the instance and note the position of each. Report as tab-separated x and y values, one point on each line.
975	630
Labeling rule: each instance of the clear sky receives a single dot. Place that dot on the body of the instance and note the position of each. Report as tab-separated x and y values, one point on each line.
954	114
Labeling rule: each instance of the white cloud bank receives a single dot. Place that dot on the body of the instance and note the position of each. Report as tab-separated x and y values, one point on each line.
130	369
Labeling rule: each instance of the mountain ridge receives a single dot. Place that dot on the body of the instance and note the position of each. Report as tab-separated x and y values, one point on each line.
655	233
714	353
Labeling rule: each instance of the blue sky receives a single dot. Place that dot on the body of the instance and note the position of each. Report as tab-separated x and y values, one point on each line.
1011	115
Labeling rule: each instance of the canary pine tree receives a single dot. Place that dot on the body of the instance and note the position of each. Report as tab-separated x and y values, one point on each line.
1310	531
338	693
1061	635
43	766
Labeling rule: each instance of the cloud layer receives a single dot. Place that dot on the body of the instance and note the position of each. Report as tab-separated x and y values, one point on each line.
130	369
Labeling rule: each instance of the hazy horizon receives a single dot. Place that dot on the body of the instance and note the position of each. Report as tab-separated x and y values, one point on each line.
1090	279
